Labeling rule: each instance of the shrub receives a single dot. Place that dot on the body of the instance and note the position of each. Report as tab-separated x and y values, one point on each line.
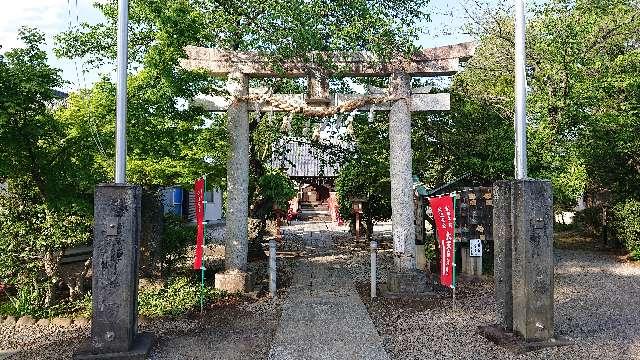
33	237
179	296
277	188
589	219
177	237
626	222
26	302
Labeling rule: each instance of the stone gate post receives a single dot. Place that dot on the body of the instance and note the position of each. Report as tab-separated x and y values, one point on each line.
235	277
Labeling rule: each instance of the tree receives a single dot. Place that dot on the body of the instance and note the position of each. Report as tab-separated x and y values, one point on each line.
582	72
46	207
364	172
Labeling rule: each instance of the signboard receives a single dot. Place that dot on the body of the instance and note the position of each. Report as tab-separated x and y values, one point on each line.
475	247
444	216
198	194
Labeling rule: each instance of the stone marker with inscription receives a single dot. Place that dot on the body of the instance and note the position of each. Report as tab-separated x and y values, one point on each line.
114	324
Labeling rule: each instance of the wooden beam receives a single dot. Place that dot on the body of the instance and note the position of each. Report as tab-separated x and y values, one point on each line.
419	102
431	62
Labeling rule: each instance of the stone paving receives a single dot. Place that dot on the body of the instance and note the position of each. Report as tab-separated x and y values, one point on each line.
322	314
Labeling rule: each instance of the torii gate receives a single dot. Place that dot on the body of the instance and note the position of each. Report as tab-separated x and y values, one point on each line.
400	101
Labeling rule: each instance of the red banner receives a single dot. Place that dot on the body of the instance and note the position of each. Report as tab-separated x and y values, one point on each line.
198	194
444	216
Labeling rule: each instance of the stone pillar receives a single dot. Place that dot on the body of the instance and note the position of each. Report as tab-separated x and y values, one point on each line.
503	237
236	237
471	265
114	324
401	173
532	259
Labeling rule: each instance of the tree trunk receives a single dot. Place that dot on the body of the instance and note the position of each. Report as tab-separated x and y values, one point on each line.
51	264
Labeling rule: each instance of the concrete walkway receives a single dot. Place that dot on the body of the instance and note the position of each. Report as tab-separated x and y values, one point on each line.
323	316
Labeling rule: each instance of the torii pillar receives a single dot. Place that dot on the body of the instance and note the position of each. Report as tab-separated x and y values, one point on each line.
400	160
235	277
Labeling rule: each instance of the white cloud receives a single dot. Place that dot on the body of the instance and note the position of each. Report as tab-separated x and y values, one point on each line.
50	16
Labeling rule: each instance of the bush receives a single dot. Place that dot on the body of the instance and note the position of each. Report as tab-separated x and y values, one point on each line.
590	220
177	237
626	222
33	237
277	188
26	302
178	297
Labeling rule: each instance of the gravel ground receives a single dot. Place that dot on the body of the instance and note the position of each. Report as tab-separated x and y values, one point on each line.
596	305
238	329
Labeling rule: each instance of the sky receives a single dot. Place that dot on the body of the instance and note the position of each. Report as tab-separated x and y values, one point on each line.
55	16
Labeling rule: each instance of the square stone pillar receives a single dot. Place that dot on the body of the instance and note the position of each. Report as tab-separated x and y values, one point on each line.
532	259
471	265
114	323
502	241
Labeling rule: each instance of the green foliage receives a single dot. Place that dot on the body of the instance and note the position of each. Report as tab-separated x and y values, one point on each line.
176	239
471	138
170	143
32	238
583	62
28	302
276	188
430	250
626	224
178	297
365	173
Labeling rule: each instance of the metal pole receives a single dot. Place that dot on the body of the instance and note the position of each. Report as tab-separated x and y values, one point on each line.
521	92
272	268
121	101
374	247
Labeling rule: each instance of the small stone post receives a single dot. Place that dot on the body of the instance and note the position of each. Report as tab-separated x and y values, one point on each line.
374	268
117	228
235	278
272	268
532	259
401	173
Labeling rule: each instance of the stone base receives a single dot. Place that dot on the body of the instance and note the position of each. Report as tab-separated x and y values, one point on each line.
408	284
234	281
516	344
139	351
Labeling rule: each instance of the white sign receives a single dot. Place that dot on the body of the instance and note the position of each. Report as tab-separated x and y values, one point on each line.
475	247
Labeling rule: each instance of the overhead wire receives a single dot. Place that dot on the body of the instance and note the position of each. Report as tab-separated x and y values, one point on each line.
82	88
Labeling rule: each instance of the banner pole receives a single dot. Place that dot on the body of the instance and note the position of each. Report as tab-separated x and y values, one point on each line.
454	250
204	210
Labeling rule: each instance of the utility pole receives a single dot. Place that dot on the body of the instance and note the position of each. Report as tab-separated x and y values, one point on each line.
521	92
121	100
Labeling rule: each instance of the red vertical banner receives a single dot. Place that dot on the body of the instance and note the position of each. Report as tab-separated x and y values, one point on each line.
198	194
444	216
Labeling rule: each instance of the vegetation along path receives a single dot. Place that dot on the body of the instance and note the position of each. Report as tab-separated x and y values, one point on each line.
322	315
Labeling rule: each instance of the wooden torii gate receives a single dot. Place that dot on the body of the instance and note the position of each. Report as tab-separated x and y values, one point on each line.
400	100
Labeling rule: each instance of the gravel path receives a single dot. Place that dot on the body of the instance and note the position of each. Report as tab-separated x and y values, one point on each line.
323	316
596	304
